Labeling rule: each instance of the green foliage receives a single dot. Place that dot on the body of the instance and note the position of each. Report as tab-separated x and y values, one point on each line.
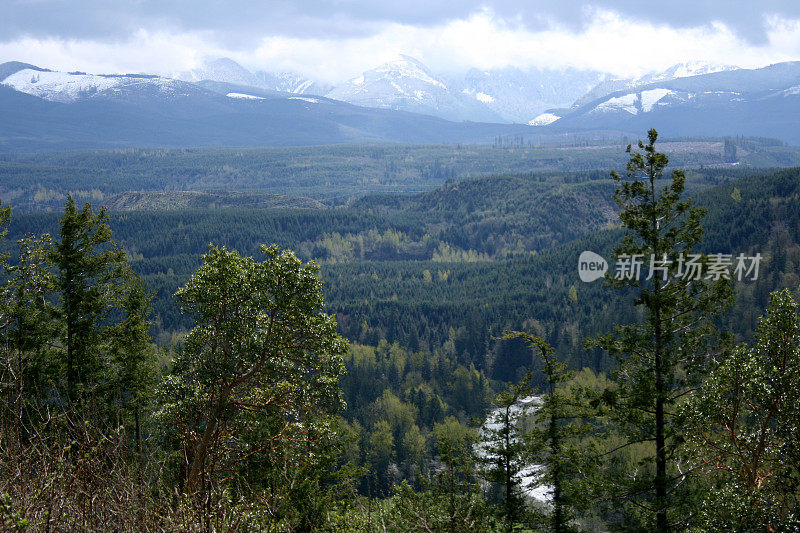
260	370
10	518
745	428
26	326
75	330
89	266
559	439
503	450
663	355
395	400
477	300
422	283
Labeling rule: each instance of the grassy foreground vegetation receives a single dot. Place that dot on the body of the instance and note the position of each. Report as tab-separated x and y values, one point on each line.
252	412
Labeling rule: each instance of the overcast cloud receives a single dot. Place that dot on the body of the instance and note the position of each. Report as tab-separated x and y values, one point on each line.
335	40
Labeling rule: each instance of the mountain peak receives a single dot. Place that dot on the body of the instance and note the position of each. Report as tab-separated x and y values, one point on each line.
407	84
685	70
221	69
407	67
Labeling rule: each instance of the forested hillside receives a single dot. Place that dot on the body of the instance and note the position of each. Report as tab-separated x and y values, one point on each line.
467	256
336	174
173	354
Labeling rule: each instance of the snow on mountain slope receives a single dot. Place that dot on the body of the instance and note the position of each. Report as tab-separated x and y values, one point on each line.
645	101
226	70
305	99
243	96
517	95
70	87
792	91
289	82
221	69
760	102
625	103
685	70
384	85
610	85
407	85
651	97
544	119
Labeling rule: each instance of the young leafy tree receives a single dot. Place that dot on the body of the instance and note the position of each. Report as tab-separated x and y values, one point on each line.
745	428
664	355
259	372
451	499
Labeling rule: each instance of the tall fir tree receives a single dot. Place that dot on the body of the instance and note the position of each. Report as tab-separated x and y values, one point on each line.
132	357
89	268
503	449
664	356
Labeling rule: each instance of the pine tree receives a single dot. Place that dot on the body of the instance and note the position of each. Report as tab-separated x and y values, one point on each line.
27	327
132	356
89	266
665	354
548	438
503	448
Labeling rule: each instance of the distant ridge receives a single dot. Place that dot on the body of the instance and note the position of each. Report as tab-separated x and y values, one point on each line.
170	200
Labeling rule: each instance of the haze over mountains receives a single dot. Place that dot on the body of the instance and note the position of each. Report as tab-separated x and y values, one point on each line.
501	95
223	103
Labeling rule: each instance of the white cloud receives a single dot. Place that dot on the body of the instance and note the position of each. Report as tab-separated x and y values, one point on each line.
610	42
142	52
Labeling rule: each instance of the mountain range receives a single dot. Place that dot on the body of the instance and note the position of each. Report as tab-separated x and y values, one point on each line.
500	95
43	110
756	102
222	103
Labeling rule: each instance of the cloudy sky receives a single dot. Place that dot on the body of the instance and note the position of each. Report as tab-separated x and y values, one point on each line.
337	39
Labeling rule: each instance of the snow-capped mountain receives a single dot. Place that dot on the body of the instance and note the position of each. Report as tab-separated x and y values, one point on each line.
608	84
42	109
509	94
221	69
226	70
517	95
68	87
290	82
500	95
763	102
408	85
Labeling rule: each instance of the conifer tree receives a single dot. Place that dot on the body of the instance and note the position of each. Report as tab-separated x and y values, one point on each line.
503	448
27	327
557	424
89	265
664	355
131	356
